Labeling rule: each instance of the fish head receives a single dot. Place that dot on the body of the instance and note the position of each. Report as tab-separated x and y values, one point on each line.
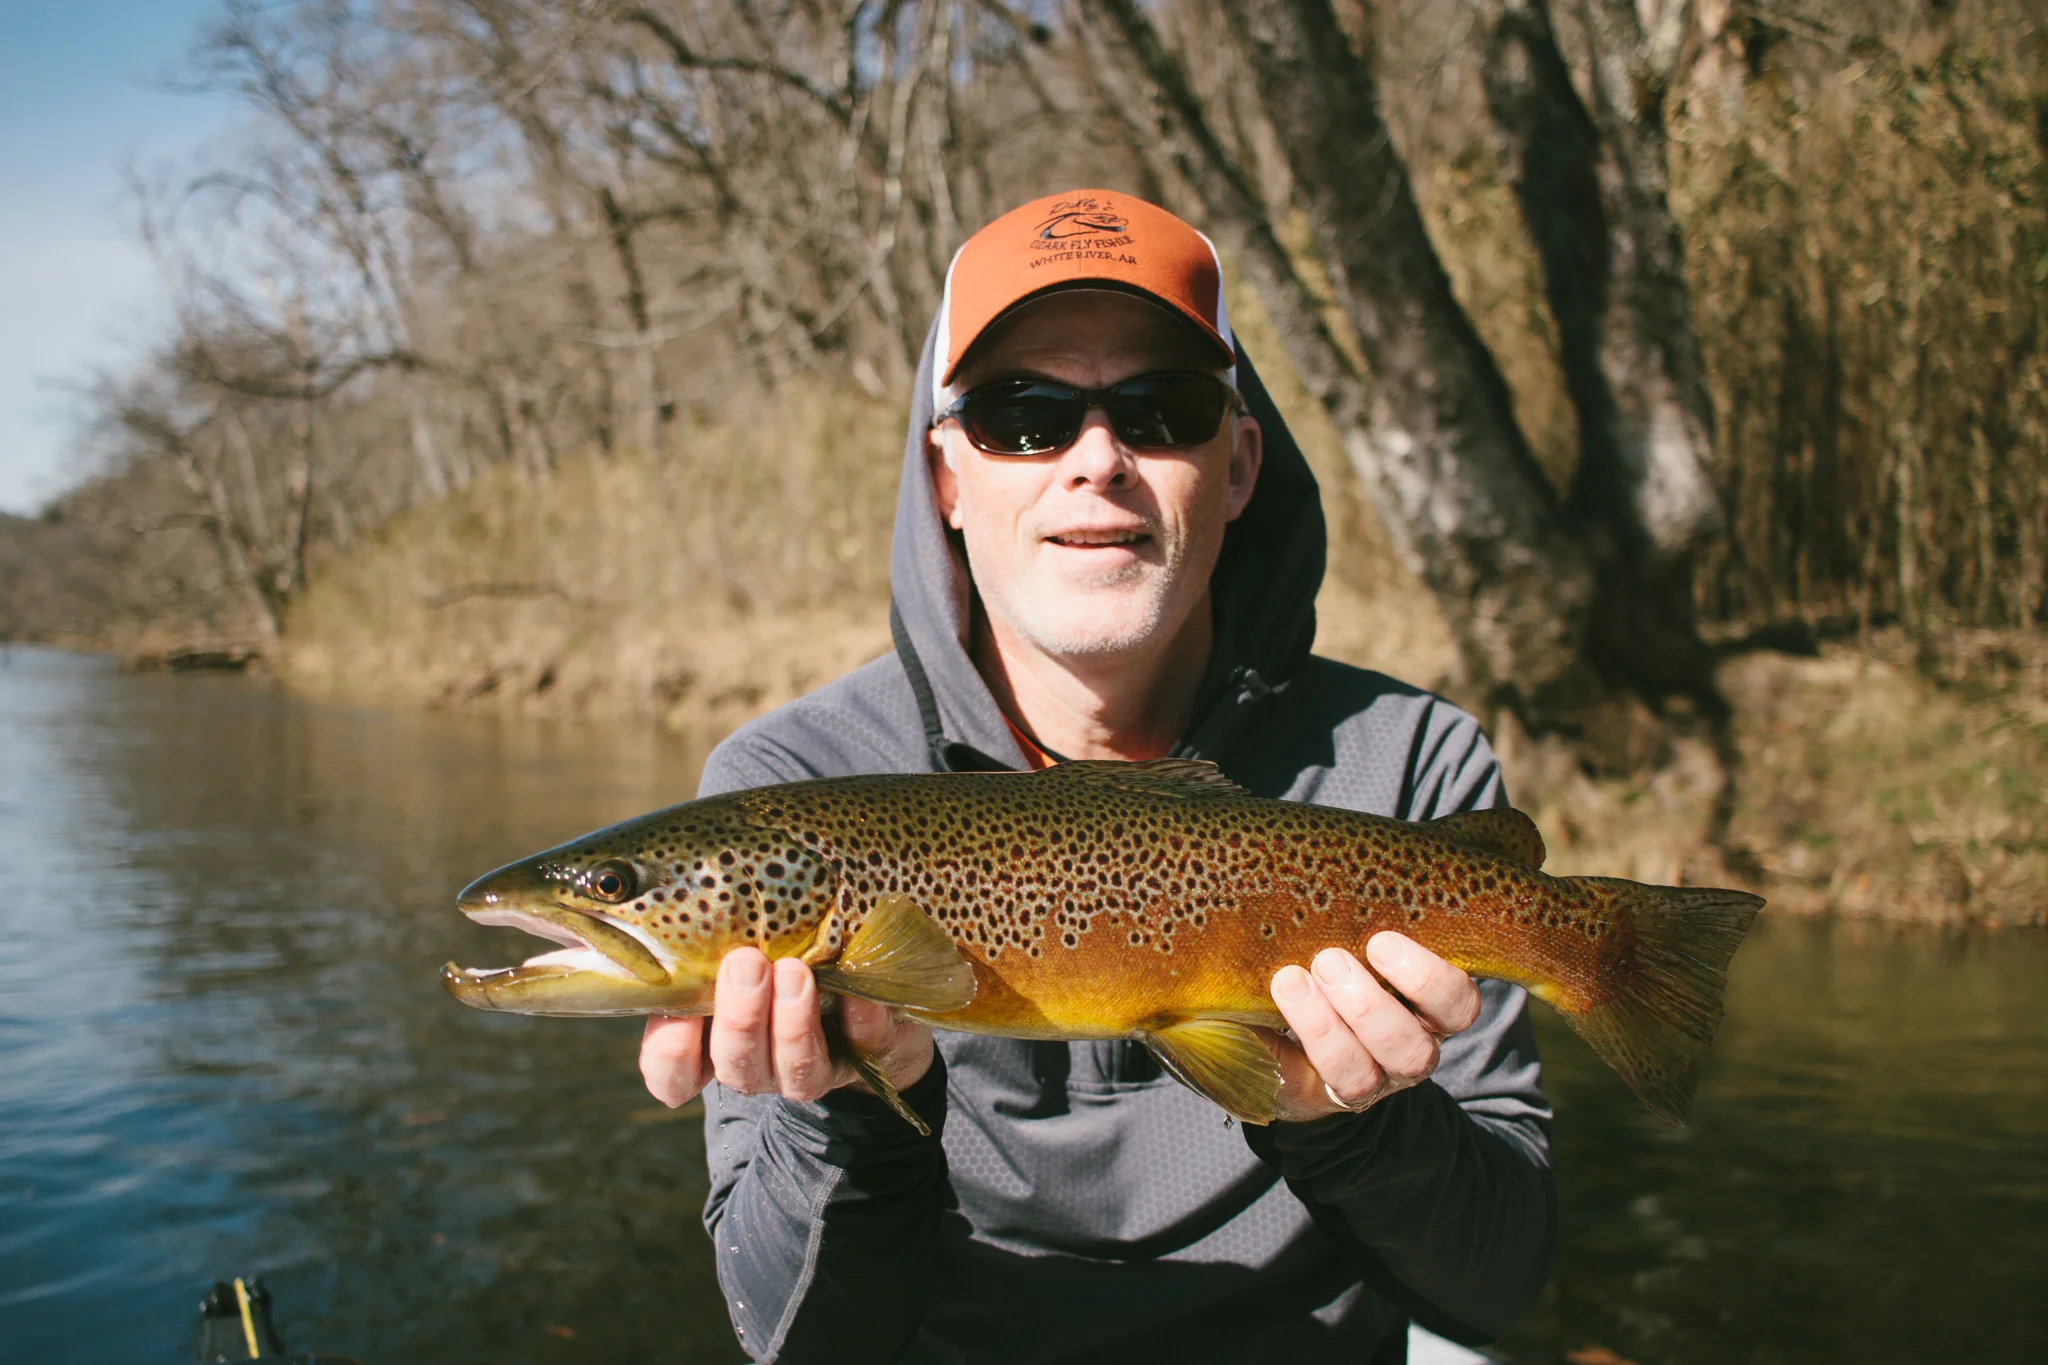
645	911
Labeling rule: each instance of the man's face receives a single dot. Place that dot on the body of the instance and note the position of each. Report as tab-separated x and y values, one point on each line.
1097	549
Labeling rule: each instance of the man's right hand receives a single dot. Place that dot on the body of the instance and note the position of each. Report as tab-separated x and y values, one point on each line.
764	1036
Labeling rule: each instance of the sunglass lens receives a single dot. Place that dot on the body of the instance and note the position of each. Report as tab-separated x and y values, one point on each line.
1168	410
1022	419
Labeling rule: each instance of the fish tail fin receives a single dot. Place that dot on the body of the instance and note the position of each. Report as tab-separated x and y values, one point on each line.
1655	1028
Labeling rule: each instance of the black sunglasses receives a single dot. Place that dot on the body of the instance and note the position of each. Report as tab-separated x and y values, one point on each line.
1170	410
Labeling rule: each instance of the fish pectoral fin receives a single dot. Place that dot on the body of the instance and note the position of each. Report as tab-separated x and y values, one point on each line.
900	956
1504	832
841	1049
1222	1061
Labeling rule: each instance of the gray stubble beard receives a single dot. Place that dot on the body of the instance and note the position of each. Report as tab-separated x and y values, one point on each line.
1062	641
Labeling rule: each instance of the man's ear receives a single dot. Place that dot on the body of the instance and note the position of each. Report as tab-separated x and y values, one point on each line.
1247	455
945	481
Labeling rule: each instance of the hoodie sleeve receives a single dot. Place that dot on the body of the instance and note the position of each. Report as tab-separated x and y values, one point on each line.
1445	1189
824	1217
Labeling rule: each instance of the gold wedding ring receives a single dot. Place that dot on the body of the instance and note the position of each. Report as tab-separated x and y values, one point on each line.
1351	1106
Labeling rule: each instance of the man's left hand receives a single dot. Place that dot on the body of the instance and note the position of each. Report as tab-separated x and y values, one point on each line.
1352	1040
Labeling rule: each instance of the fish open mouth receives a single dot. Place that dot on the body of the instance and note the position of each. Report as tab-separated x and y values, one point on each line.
601	967
589	943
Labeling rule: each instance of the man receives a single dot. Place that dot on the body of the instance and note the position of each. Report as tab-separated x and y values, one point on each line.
1102	551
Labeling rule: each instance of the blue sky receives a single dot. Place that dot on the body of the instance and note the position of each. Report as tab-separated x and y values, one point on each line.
81	96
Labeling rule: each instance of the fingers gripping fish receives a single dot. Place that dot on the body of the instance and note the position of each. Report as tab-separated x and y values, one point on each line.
1100	900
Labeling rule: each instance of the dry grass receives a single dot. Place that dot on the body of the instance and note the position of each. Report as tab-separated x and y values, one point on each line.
747	565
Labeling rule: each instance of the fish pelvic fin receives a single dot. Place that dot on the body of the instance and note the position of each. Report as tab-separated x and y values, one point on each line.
900	956
1507	833
840	1048
1221	1061
1666	1004
1182	778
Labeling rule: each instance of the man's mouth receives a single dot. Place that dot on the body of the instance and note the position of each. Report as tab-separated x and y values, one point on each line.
1101	538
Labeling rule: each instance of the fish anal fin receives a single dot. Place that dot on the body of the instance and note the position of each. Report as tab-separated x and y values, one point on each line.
1507	833
900	956
841	1049
1222	1061
1186	778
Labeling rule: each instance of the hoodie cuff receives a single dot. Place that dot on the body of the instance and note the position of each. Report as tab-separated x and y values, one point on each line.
852	1114
1329	1156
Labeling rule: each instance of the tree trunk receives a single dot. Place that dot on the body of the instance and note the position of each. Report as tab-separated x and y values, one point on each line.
656	409
240	559
1438	444
433	471
1592	189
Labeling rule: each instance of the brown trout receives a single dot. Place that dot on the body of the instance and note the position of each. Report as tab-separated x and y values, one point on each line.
1100	900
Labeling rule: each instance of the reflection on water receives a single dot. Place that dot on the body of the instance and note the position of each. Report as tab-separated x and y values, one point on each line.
223	1048
1865	1177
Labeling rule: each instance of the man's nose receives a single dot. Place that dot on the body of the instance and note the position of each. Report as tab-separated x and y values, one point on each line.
1096	458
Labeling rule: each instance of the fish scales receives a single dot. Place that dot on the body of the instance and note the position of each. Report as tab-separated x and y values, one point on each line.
1101	900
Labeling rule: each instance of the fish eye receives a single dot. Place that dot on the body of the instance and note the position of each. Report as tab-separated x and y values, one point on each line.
612	881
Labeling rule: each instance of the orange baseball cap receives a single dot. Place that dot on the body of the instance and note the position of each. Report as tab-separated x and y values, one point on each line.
1079	238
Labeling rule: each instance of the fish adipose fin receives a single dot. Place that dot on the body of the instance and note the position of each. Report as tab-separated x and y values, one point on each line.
1186	778
900	956
1221	1061
1508	833
1666	1003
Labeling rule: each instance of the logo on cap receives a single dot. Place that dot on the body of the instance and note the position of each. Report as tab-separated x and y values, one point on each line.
1082	218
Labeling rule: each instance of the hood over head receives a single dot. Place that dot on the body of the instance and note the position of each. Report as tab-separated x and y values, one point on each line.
1263	592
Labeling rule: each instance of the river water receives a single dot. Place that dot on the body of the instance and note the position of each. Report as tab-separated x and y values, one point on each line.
224	1050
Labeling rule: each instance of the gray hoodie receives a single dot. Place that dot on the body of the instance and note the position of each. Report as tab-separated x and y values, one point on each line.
1076	1204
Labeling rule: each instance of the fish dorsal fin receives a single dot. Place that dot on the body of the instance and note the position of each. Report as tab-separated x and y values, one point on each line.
1507	833
1187	778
